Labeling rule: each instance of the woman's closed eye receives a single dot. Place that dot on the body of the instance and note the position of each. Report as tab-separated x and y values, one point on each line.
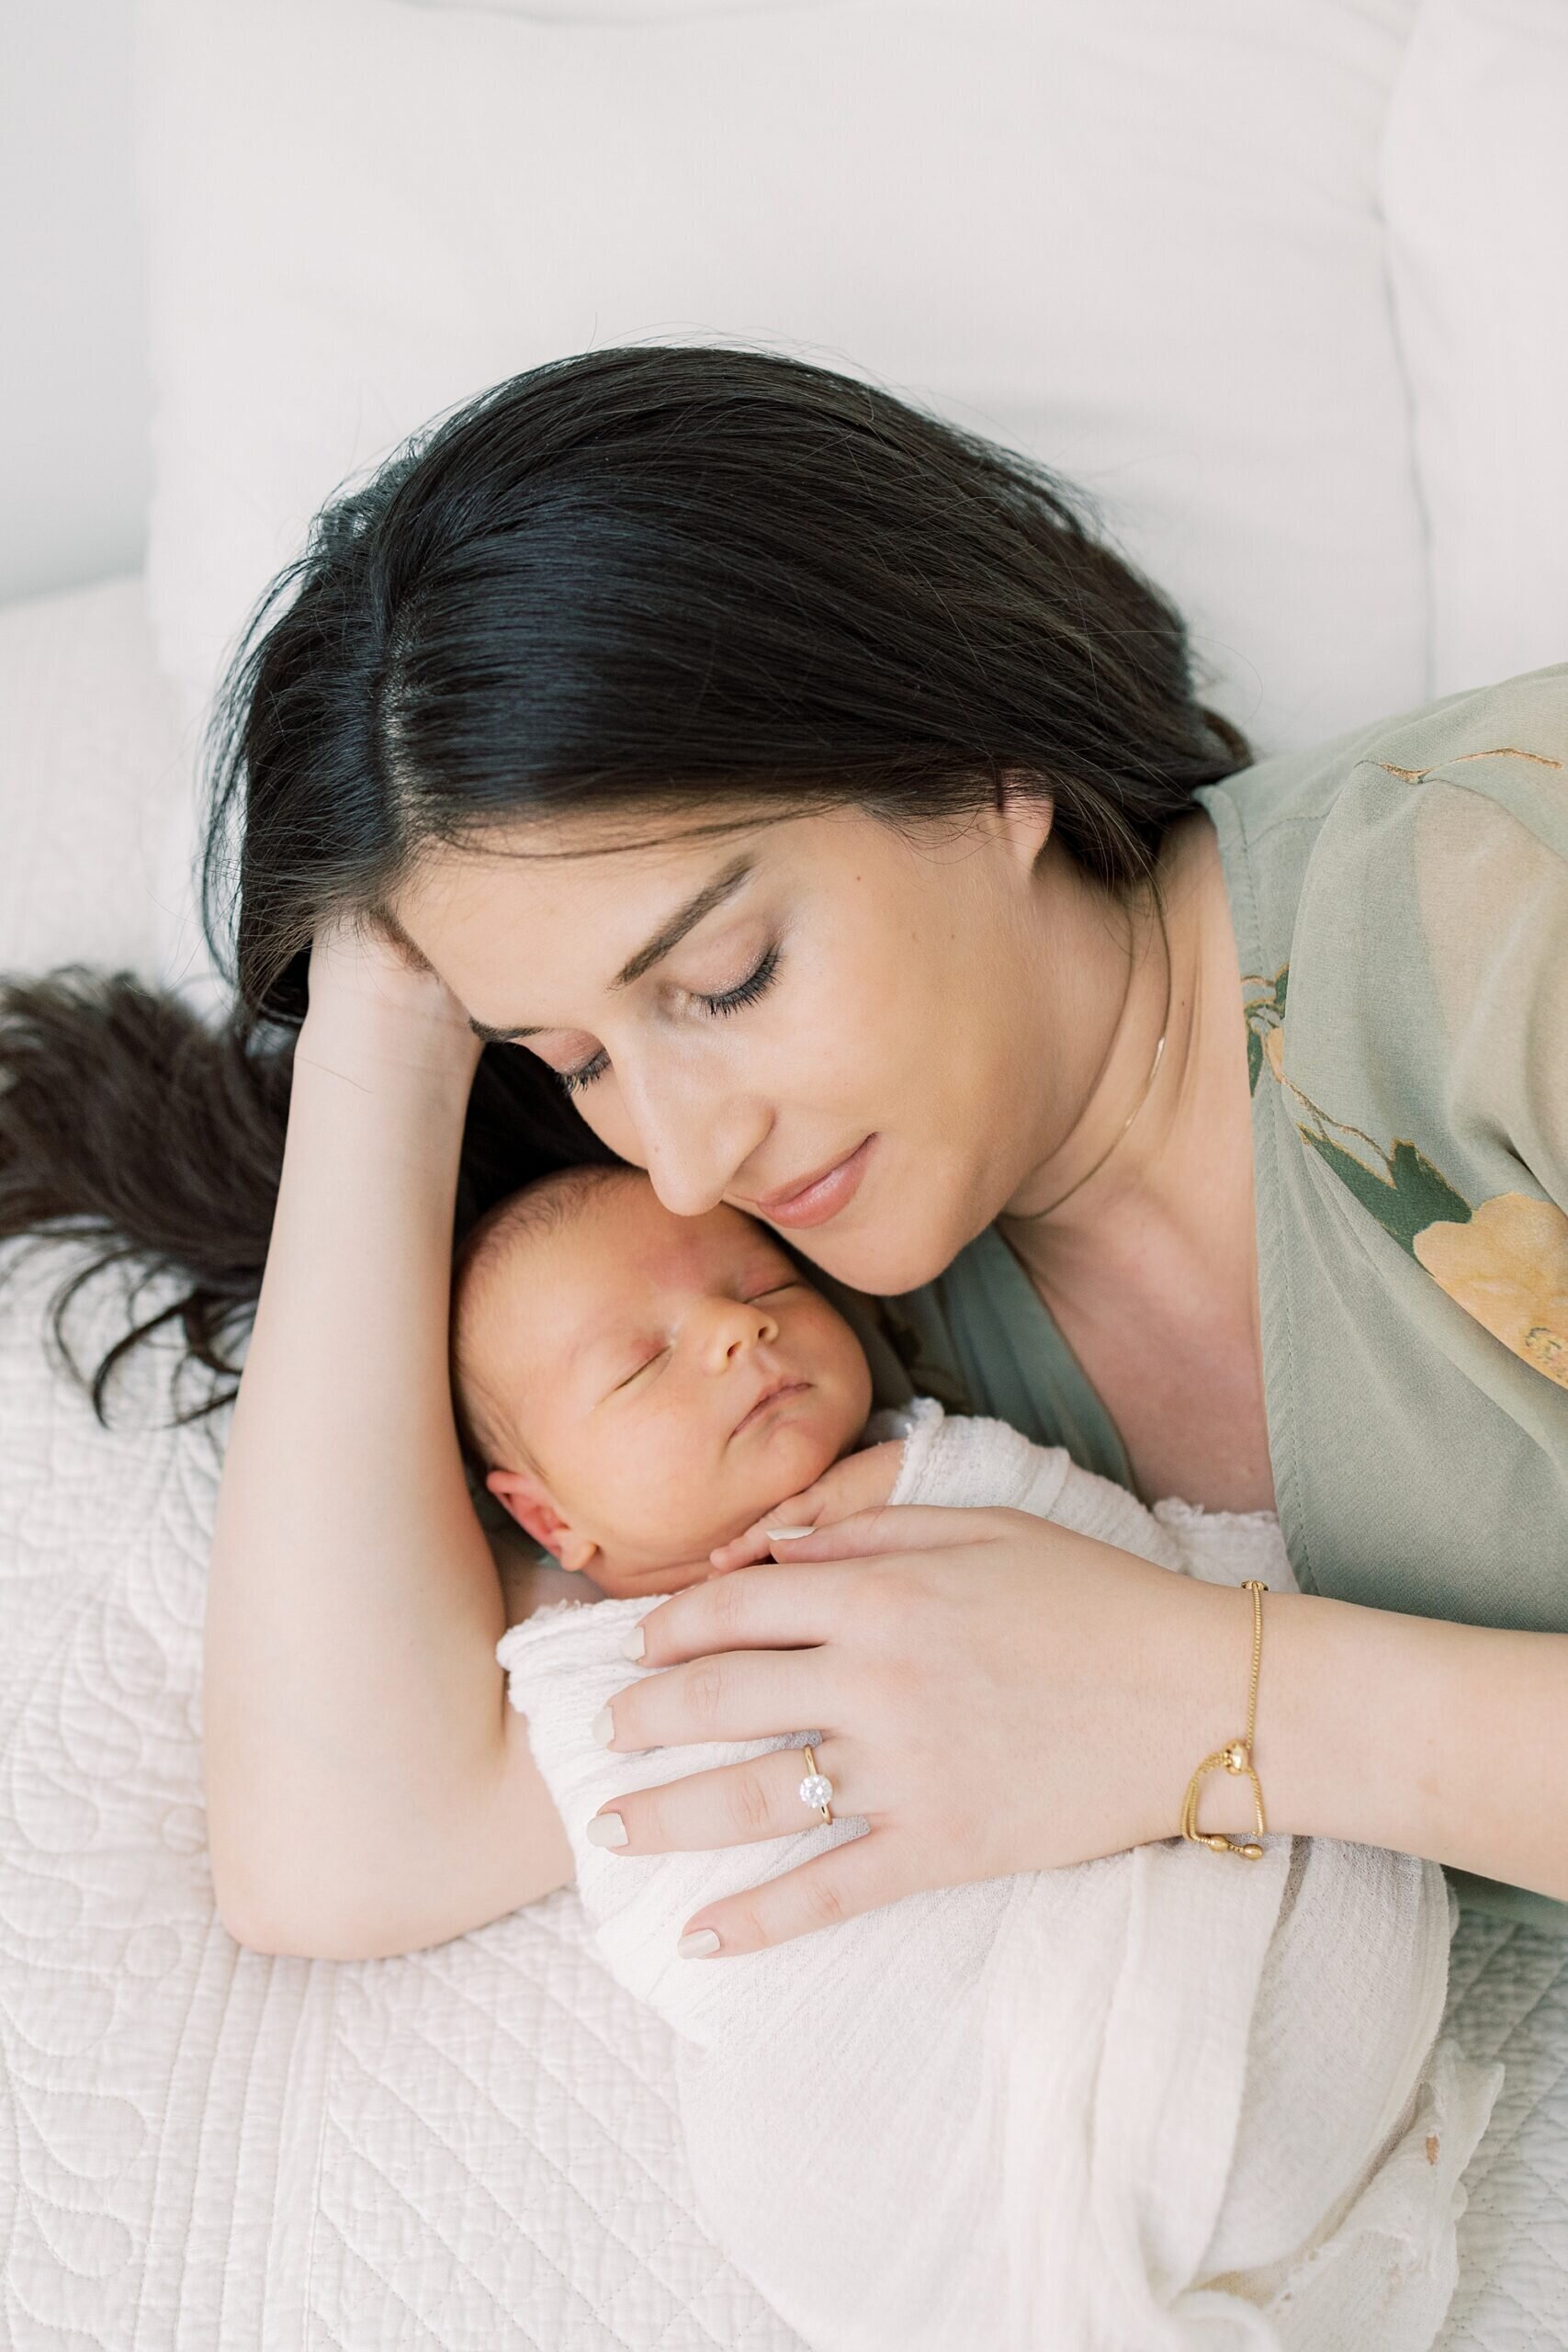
756	983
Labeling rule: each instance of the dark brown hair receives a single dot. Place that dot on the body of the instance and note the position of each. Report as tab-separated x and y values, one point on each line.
637	579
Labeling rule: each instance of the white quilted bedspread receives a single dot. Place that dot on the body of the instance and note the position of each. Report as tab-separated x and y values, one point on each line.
206	2149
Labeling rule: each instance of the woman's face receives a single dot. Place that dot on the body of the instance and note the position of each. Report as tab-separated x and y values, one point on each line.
915	1018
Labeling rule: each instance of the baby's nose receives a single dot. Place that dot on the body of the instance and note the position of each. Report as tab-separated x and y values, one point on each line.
736	1328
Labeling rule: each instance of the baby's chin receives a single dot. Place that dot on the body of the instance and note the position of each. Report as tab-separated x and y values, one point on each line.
783	1453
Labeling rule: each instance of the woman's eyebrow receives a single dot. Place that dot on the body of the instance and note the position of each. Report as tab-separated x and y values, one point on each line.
713	894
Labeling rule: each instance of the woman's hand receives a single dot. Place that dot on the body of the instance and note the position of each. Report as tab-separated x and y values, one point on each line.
366	990
995	1693
858	1483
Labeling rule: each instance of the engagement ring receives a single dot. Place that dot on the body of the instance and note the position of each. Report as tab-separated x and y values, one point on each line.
817	1789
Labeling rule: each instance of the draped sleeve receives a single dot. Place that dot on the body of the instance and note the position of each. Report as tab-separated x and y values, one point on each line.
1401	909
1408	1029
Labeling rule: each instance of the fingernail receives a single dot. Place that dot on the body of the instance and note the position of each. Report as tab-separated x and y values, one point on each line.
606	1829
634	1645
784	1534
697	1945
604	1726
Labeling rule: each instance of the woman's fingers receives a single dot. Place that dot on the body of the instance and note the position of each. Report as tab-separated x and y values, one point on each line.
742	1803
800	1512
749	1609
740	1552
858	1874
756	1606
731	1694
890	1527
733	1805
755	1543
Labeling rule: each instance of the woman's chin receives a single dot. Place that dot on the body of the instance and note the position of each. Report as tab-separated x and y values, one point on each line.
882	1264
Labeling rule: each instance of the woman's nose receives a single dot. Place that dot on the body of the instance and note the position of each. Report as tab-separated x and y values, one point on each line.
692	1149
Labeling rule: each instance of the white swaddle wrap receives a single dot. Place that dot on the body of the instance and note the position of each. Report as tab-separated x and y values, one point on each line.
1163	2098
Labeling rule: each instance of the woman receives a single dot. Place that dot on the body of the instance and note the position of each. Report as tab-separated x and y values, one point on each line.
704	759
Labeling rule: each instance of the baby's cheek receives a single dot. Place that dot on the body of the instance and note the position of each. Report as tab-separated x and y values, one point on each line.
662	1489
675	1484
649	1474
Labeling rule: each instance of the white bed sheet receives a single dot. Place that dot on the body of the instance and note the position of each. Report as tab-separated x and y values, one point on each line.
205	2149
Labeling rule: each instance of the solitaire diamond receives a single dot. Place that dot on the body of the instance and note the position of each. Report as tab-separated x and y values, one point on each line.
815	1789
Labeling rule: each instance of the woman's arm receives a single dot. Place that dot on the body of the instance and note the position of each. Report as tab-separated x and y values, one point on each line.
365	1791
998	1693
1435	1738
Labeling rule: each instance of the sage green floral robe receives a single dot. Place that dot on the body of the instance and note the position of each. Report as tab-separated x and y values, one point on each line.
1400	901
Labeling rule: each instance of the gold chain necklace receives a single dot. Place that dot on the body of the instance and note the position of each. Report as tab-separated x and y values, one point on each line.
1034	1216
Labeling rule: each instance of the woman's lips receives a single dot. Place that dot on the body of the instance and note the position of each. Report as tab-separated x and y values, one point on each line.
824	1196
774	1396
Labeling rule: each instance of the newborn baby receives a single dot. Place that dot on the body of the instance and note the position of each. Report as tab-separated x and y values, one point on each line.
1160	2099
648	1386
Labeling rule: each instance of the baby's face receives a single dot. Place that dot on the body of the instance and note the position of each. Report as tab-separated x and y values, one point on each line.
673	1378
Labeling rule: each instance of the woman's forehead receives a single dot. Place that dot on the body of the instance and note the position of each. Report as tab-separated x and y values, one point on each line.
611	851
631	833
608	863
523	923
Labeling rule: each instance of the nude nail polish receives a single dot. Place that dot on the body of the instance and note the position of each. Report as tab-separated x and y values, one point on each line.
606	1829
604	1726
698	1944
779	1535
634	1644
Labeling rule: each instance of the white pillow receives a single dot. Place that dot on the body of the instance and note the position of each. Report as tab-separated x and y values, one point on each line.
1474	187
1141	241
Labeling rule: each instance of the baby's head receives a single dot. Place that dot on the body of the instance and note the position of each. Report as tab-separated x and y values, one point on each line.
642	1387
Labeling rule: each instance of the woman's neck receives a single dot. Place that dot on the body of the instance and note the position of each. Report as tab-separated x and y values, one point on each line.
1168	1159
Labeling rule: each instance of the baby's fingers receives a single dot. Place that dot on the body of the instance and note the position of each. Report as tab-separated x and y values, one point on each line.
754	1545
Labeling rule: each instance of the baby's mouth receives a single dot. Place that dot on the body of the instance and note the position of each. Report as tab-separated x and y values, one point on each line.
783	1386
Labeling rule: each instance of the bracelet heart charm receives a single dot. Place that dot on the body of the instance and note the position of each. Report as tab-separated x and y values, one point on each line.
1234	1758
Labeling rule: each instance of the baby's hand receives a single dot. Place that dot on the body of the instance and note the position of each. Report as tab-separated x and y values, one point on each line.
857	1483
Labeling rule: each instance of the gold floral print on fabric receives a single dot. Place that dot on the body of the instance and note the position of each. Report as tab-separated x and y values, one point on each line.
1508	1267
1506	1262
1504	752
1264	1011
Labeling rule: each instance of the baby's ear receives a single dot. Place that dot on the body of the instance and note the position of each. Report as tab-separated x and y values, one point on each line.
534	1507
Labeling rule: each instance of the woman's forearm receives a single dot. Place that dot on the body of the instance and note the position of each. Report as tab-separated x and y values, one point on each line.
352	1701
1431	1737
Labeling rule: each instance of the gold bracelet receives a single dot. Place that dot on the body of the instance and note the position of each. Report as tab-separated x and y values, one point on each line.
1235	1757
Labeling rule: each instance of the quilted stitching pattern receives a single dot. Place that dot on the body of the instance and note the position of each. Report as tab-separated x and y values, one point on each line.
473	2146
203	2146
1508	1999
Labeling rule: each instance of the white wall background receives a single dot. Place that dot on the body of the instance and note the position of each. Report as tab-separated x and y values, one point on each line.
75	394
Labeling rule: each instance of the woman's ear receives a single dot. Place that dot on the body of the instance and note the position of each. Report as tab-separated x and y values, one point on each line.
534	1507
1026	810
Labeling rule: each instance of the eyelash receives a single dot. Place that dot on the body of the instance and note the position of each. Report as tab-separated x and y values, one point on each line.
791	1282
756	984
